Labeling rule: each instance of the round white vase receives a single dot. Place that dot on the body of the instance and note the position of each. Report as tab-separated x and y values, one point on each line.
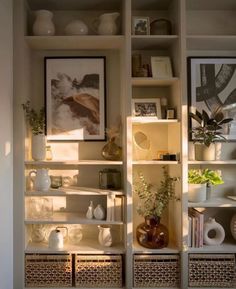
43	24
204	153
219	233
196	193
38	147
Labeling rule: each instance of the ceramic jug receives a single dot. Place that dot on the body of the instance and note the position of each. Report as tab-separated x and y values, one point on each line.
104	236
56	238
106	24
41	181
43	24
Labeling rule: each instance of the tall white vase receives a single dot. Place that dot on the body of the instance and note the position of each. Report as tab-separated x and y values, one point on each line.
38	147
204	153
43	24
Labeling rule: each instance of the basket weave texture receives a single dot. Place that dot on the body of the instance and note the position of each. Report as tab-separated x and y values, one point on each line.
48	270
98	271
212	270
156	271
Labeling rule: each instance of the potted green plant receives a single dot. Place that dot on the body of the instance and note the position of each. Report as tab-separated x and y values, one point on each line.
198	182
207	132
36	121
153	202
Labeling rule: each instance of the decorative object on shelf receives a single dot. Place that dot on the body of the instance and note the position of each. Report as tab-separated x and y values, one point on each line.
161	67
141	146
110	179
219	233
136	64
170	113
75	235
56	238
212	84
160	27
198	182
106	24
40	208
68	181
48	153
105	236
89	214
112	151
56	182
43	24
36	121
75	98
42	180
38	233
140	25
206	133
146	107
164	105
76	27
152	234
99	212
233	226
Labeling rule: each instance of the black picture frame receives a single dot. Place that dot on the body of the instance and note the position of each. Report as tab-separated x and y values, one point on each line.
75	98
212	87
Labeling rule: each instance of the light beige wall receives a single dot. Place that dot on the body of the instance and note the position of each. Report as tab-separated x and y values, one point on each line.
6	146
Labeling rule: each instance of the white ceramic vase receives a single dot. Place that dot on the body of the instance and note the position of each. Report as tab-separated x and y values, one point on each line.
99	213
43	24
196	193
204	153
219	233
106	24
76	27
38	147
104	236
42	181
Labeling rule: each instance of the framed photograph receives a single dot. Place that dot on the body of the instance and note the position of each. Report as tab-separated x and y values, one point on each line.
161	67
140	25
146	107
75	96
212	87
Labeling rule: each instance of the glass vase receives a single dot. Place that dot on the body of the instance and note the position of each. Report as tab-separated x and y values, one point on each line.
152	234
111	151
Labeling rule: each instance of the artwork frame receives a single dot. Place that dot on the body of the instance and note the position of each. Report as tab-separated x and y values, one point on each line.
212	87
146	107
75	98
161	67
140	25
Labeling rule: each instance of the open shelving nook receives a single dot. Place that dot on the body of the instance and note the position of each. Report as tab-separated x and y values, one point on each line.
82	161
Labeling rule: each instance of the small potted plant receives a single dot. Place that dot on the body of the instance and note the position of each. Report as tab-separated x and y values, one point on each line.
198	182
36	121
208	131
153	202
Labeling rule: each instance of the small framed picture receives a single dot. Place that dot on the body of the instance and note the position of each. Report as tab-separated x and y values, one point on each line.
161	66
141	25
146	107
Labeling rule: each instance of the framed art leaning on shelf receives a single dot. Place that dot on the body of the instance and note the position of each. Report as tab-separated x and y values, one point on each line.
75	98
146	107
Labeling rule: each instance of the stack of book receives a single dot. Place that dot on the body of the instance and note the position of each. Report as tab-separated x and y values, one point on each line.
195	228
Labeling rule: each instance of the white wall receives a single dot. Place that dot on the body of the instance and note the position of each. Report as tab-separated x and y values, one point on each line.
6	145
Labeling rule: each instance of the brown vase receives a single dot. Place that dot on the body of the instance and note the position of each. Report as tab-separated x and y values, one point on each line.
111	151
152	234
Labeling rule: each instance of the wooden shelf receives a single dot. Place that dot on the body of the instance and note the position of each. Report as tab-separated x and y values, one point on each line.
70	218
150	119
73	191
226	247
142	42
84	247
151	81
153	162
228	162
75	42
73	163
214	203
211	42
137	249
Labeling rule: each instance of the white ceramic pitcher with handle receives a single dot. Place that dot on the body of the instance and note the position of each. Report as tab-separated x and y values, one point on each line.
104	236
41	181
106	24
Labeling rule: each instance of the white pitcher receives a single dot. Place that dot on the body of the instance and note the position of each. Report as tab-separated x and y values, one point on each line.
104	236
41	181
106	24
43	25
56	238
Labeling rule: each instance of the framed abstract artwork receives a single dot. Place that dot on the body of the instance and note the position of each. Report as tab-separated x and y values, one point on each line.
212	87
75	97
146	107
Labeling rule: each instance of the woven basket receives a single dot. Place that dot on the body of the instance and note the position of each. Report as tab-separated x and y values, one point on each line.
48	270
156	271
212	270
98	271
